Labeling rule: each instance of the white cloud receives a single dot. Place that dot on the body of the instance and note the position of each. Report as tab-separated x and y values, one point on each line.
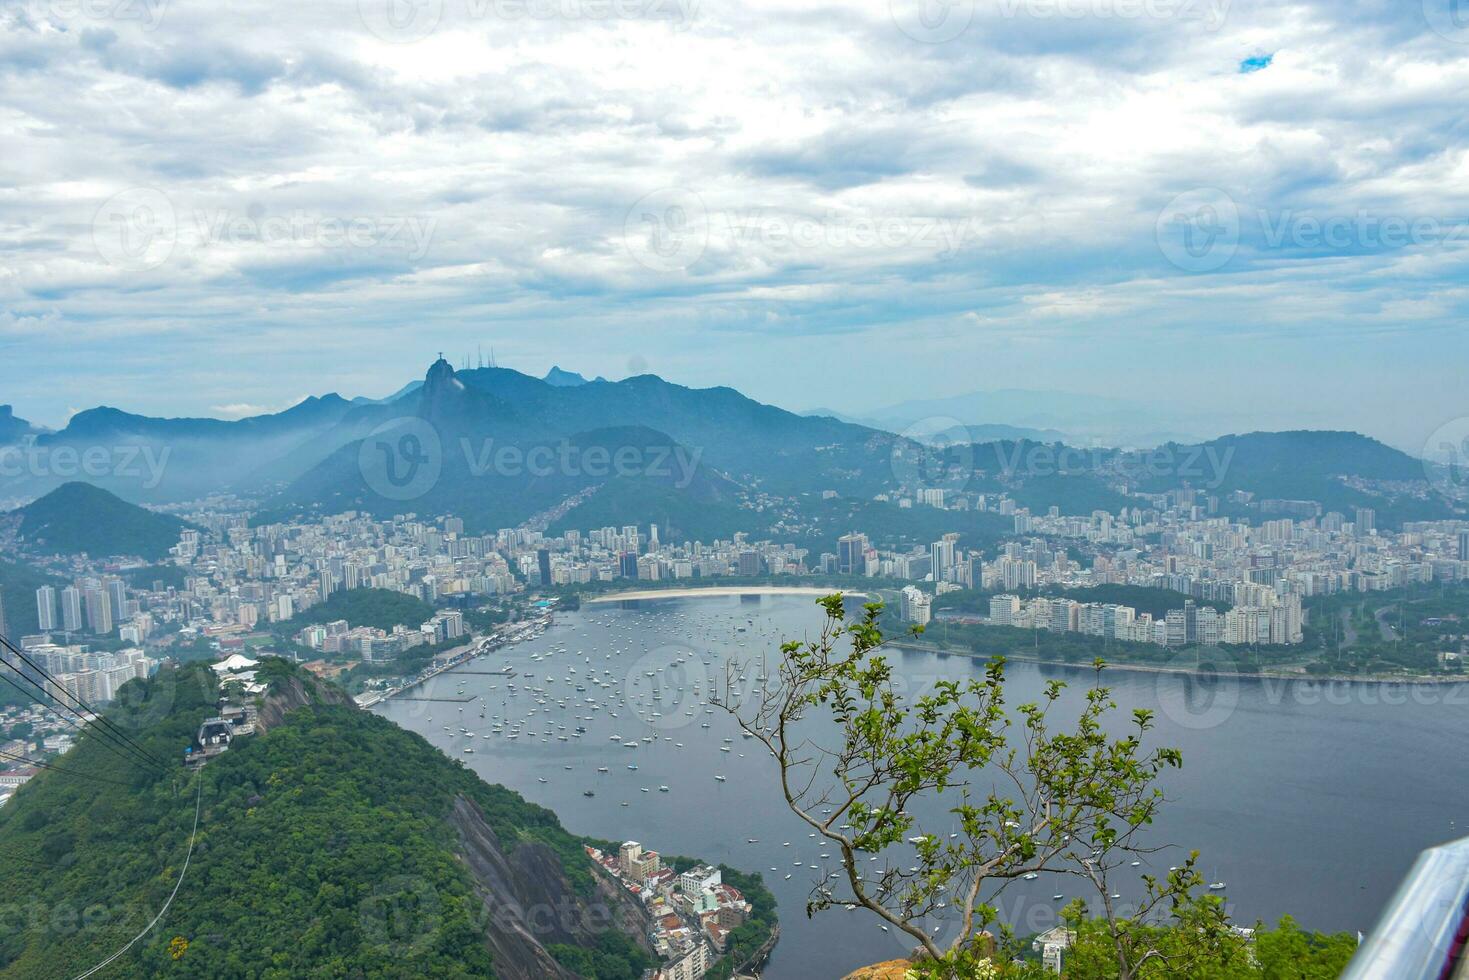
331	198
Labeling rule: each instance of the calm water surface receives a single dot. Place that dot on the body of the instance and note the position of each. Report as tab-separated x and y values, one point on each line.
1308	799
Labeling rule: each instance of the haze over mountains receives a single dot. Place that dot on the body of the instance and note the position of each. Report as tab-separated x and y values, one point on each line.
498	448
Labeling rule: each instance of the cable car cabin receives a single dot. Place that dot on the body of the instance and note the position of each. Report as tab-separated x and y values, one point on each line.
215	736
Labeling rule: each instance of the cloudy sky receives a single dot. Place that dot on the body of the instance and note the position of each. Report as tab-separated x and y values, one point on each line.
1252	212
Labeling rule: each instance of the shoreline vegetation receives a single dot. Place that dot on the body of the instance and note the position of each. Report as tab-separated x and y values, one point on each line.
1424	680
1115	658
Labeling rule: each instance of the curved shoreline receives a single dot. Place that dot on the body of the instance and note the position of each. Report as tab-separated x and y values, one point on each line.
717	591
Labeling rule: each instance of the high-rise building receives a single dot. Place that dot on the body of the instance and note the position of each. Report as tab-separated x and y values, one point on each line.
1464	545
543	562
46	608
71	609
117	596
99	612
852	554
1366	521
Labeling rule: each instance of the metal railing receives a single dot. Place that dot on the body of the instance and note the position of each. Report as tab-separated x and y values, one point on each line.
1422	933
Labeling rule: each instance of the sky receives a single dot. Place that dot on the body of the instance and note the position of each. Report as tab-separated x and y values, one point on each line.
1247	212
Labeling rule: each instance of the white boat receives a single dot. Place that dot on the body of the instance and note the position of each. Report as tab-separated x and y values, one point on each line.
1216	886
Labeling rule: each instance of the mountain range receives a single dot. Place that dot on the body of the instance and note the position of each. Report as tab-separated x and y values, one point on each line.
499	448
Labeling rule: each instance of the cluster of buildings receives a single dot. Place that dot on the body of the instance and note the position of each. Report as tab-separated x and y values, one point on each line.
375	645
1265	619
1262	571
91	676
692	912
610	553
96	605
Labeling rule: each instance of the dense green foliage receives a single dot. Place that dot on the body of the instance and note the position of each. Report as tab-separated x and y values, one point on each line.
1284	953
18	585
78	518
379	608
156	577
323	850
1393	631
614	957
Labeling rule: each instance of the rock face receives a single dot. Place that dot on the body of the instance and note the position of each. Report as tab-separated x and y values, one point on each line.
529	903
292	693
891	970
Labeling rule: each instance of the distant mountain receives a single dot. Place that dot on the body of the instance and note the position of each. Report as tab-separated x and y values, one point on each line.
558	378
498	447
12	429
78	518
145	459
1089	420
944	428
1340	470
